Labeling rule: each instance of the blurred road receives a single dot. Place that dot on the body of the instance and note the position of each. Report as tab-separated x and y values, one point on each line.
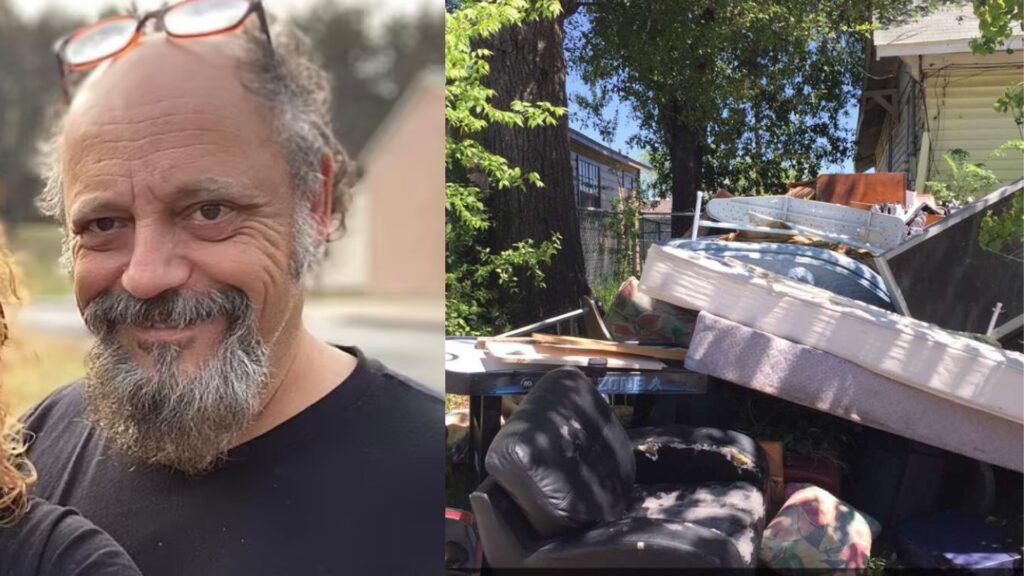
407	336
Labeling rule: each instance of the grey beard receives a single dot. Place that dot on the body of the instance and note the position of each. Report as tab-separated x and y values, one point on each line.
182	419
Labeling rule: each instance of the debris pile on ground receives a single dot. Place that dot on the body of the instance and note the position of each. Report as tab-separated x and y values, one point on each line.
884	331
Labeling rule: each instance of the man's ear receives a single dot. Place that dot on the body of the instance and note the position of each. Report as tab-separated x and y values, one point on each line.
322	204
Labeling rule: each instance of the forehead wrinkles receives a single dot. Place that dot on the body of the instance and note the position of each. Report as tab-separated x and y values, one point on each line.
147	128
153	139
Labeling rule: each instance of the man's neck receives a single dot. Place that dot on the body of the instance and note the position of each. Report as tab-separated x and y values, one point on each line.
311	370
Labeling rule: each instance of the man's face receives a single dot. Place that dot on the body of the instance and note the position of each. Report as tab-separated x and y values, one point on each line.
175	188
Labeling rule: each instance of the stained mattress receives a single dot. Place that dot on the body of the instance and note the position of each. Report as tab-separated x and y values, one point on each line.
909	351
815	266
821	381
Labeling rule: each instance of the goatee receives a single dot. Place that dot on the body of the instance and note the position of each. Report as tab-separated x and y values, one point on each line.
185	419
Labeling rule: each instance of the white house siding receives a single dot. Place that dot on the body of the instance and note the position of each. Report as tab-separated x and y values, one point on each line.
960	90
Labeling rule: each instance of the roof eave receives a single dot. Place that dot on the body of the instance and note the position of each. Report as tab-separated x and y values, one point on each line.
956	46
607	151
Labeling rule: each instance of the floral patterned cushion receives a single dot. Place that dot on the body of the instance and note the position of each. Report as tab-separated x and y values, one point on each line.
636	316
814	529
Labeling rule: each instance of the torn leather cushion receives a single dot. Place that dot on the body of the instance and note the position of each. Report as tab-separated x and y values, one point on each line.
680	454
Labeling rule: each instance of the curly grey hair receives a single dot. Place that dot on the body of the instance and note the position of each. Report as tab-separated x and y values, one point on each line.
298	93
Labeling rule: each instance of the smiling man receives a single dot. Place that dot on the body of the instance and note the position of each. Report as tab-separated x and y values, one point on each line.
197	180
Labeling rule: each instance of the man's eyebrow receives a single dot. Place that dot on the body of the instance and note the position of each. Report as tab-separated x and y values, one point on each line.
211	187
92	205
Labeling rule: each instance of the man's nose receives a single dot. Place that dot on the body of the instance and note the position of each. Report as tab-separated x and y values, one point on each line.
157	263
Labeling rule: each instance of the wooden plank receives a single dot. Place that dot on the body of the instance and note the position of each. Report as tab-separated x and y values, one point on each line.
523	353
660	352
482	341
864	188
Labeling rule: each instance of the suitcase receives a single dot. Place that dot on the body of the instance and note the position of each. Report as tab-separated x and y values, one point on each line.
959	540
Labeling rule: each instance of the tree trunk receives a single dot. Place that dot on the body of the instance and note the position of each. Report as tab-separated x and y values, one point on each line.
528	64
686	156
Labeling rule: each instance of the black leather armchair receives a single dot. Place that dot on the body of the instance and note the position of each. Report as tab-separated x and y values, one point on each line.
570	487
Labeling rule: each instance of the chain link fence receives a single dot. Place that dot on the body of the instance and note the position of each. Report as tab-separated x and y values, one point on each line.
606	247
601	240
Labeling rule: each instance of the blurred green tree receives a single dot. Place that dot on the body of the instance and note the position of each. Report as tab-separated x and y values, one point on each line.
29	83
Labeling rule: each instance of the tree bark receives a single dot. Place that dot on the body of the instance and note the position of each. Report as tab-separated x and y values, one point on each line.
528	64
686	158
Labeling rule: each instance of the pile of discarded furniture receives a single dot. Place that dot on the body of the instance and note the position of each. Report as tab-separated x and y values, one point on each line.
844	303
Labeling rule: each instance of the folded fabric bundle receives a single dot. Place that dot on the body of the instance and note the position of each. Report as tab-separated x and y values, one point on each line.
819	380
814	529
633	315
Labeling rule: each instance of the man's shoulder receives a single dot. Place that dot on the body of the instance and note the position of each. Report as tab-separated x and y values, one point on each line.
60	413
416	390
392	404
393	385
65	401
402	393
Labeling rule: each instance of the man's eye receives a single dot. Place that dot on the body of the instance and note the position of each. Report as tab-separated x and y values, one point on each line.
102	225
211	212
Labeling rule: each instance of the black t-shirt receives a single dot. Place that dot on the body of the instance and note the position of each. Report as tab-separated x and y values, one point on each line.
55	541
354	484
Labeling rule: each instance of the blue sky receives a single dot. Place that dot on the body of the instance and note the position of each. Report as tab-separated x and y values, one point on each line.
627	126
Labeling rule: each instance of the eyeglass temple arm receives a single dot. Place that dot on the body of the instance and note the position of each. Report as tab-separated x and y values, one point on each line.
258	6
63	80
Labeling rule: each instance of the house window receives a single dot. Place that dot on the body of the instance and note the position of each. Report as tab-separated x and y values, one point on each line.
588	183
628	183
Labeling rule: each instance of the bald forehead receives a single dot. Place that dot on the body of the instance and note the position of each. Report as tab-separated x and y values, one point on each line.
161	118
163	77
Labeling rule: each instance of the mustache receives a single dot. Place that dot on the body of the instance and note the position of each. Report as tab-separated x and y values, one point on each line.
108	313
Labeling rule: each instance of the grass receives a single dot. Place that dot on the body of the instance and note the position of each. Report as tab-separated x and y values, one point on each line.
33	365
606	291
455	402
36	250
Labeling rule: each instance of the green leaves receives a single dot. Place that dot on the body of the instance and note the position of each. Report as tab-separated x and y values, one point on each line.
1004	233
997	20
767	81
965	181
1012	102
477	281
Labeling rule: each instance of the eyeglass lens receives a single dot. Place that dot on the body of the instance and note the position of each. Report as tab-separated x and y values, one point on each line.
198	17
100	41
190	18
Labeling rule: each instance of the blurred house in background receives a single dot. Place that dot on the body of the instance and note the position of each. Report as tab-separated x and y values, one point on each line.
394	239
600	174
